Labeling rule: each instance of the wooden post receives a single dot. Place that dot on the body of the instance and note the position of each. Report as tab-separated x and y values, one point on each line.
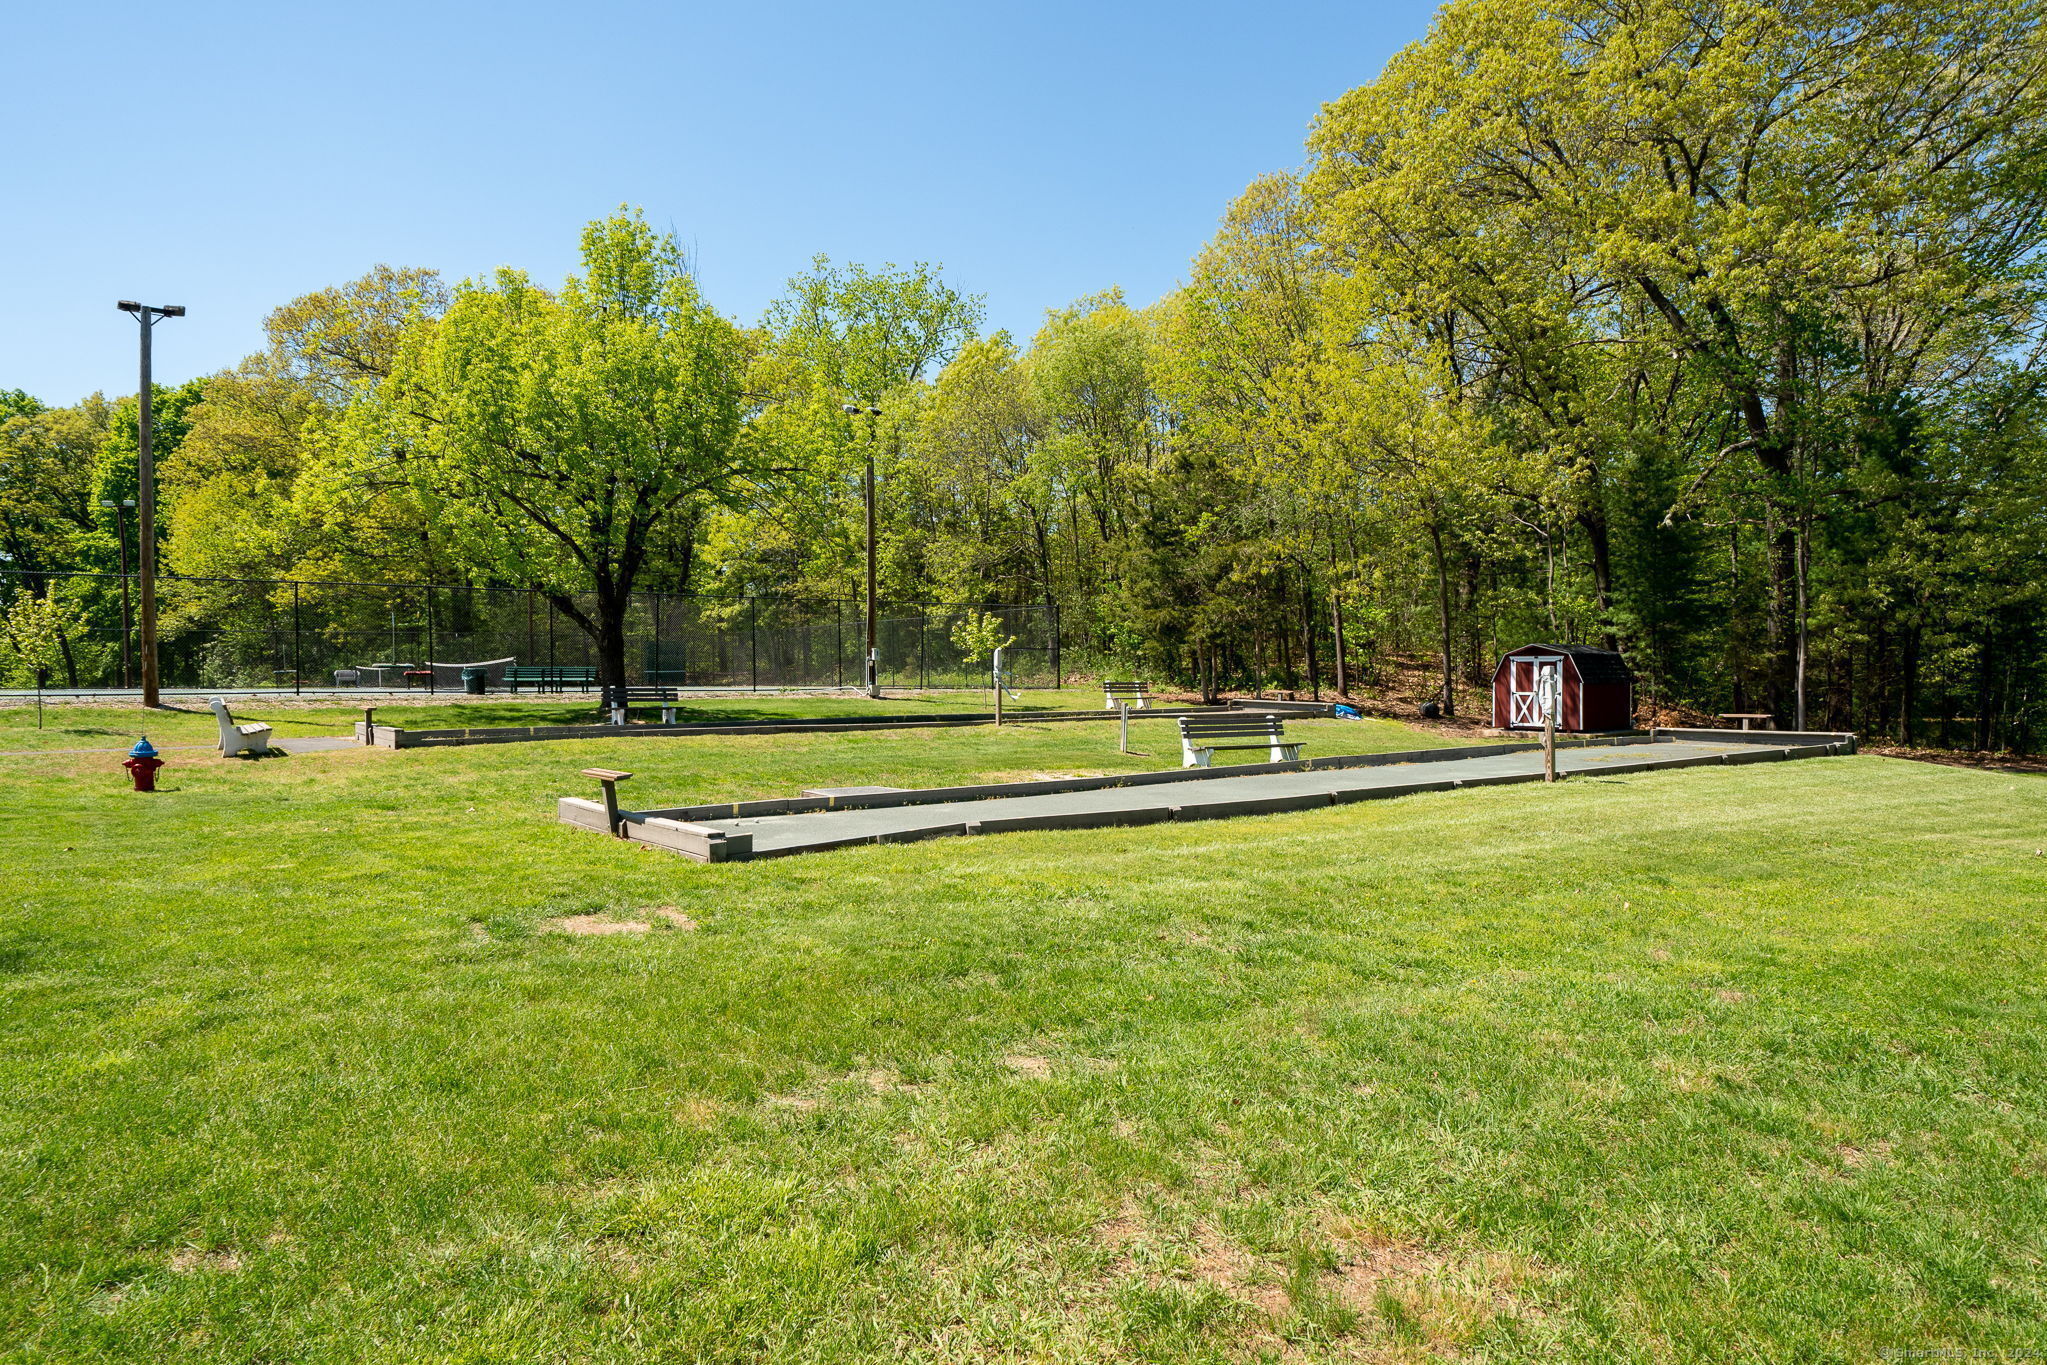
1123	709
610	778
369	726
1552	700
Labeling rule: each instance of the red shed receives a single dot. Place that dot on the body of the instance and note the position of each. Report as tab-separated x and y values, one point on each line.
1597	687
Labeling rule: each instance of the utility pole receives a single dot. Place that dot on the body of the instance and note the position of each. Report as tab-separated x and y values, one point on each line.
127	617
873	614
148	315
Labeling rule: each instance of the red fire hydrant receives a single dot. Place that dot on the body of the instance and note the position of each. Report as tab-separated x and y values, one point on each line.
142	764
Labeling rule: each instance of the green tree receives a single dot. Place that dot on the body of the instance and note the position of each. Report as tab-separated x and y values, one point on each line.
556	437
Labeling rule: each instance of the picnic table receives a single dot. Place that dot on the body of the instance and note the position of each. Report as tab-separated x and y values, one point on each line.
413	677
1746	716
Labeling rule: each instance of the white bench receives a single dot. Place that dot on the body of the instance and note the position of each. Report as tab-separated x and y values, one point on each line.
348	677
235	739
1202	736
1136	694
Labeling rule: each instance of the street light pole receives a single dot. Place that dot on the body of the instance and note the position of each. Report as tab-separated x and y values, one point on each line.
148	315
873	673
127	618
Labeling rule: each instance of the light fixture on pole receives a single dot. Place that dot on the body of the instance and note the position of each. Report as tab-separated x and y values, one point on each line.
873	673
127	618
148	315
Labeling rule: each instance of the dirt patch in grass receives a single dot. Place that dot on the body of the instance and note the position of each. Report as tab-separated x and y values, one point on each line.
1364	1287
674	918
1035	1068
192	1260
1855	1158
1222	1264
698	1112
1963	758
594	925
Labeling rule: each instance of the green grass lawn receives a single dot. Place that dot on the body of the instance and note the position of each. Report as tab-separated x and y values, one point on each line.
1719	1064
87	725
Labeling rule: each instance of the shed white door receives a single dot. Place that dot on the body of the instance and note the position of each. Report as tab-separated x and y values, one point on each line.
1534	688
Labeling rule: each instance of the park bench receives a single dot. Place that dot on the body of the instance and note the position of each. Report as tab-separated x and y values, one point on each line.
1745	717
551	677
619	698
252	738
1134	694
1202	736
348	677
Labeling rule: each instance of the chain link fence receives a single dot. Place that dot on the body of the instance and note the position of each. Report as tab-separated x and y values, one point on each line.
293	635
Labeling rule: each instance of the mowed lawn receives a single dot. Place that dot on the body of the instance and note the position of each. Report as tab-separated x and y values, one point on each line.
1715	1064
187	721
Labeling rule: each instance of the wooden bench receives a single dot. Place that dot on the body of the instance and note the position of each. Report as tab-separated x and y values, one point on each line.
1201	737
1136	694
1746	716
619	698
551	677
253	738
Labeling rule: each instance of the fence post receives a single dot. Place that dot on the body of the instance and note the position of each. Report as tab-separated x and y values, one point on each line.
296	681
429	660
923	629
1058	679
753	639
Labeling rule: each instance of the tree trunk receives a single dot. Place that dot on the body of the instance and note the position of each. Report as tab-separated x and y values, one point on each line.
1308	634
1443	612
1338	642
1783	560
1802	643
1594	522
1983	693
1908	701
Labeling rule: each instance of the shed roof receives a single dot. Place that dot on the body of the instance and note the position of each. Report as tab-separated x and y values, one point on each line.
1595	665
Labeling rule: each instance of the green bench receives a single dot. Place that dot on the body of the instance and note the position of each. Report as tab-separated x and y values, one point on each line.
551	677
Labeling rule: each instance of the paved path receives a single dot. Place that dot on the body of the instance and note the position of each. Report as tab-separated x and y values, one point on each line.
1253	794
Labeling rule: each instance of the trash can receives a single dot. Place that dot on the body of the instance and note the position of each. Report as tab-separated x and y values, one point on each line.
473	680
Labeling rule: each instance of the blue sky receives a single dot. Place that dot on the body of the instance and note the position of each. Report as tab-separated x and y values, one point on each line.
230	157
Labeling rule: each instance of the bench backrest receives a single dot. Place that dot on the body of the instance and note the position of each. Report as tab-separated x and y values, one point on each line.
226	719
1235	727
649	693
1135	689
550	673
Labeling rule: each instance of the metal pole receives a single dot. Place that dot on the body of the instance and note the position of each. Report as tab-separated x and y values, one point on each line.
295	675
873	616
145	520
428	663
753	639
1123	743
